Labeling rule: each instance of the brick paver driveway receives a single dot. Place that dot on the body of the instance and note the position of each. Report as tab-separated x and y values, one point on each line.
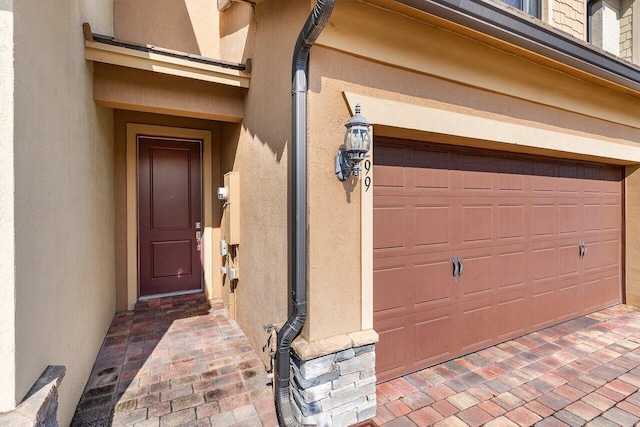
582	372
176	361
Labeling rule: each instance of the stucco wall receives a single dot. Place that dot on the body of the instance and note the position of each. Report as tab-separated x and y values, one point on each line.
262	158
7	271
64	253
193	26
183	25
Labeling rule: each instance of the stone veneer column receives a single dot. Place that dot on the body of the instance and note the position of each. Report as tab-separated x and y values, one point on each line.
338	388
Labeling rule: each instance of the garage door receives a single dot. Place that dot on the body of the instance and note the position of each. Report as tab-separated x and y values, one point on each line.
472	248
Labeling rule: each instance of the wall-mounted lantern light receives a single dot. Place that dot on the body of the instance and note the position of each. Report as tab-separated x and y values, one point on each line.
357	141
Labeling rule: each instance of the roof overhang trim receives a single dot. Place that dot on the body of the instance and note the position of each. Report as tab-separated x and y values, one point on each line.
105	50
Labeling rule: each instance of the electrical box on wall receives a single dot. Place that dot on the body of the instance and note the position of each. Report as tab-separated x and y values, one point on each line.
231	214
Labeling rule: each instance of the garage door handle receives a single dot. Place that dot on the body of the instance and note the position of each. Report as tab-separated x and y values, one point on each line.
456	267
461	266
580	250
583	250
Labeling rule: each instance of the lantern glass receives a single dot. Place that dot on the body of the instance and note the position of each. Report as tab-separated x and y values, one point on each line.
357	140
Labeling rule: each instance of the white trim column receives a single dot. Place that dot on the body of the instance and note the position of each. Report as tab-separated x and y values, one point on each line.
7	223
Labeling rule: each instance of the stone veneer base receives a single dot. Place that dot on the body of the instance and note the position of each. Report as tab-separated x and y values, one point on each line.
337	389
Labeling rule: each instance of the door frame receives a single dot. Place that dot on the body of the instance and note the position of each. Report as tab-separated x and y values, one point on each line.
133	130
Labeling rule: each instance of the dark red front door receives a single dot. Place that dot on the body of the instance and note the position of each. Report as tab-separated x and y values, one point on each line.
169	215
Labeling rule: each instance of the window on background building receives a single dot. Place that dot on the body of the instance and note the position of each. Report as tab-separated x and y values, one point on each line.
532	7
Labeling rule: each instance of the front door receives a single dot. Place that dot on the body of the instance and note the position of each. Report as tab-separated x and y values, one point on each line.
169	215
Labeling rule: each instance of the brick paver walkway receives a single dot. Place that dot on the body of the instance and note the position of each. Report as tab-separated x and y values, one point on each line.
176	361
582	372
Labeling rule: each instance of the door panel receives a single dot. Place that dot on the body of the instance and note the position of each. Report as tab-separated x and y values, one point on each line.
516	222
169	206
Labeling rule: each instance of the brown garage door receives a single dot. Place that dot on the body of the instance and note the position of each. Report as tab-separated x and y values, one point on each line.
516	222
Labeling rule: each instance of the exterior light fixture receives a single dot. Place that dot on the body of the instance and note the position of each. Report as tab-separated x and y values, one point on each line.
357	141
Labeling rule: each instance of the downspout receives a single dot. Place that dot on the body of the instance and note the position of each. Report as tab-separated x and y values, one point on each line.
314	25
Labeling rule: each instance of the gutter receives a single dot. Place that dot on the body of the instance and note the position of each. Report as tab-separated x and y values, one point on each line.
312	28
524	32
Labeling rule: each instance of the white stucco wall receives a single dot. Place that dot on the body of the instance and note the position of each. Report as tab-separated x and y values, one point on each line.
63	145
7	272
605	26
98	13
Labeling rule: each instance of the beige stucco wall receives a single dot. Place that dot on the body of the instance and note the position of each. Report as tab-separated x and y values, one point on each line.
632	234
63	160
138	90
560	106
261	158
7	256
193	26
183	25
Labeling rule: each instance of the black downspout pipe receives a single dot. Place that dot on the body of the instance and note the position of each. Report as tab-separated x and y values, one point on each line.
314	25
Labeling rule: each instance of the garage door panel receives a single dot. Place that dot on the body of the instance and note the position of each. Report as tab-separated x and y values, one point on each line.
434	336
393	350
511	221
477	223
545	305
431	225
516	222
595	256
543	264
478	324
512	268
594	292
611	289
514	316
612	186
391	222
391	289
544	219
567	261
592	217
611	214
568	220
477	278
570	304
434	282
610	253
477	181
